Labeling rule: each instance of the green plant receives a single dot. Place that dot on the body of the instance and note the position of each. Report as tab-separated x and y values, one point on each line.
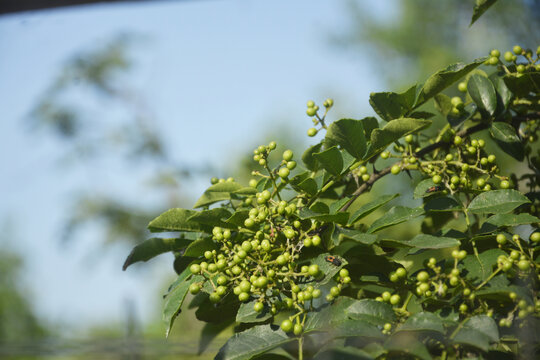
291	260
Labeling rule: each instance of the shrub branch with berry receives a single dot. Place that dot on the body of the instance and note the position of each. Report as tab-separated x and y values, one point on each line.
291	261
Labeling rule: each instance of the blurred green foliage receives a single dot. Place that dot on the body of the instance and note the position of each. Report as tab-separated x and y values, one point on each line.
17	318
414	37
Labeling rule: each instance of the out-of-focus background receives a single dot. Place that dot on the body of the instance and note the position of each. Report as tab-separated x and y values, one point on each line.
111	113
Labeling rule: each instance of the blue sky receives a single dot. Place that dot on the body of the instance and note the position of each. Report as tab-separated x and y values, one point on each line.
216	74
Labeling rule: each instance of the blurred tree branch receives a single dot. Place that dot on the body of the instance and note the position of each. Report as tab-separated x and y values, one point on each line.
15	6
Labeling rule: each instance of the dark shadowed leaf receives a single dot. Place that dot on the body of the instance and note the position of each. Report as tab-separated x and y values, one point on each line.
153	247
480	8
406	343
442	204
257	340
479	331
423	321
198	247
213	217
506	137
308	159
523	84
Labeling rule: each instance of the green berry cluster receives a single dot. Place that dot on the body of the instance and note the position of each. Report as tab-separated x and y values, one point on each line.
518	53
260	261
466	166
312	111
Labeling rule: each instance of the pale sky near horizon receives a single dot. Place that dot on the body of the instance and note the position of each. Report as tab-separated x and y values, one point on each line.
214	73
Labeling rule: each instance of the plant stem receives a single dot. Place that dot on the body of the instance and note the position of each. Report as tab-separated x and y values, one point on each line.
300	348
374	177
406	303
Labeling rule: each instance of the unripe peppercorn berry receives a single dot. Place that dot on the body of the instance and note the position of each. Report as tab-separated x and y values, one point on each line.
313	270
422	276
395	169
283	172
286	325
535	237
288	155
312	131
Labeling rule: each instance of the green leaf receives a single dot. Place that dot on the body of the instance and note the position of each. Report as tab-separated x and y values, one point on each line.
480	267
403	342
237	218
497	202
480	8
512	219
523	84
425	241
339	217
197	248
370	123
371	311
505	95
153	247
328	315
328	269
175	298
213	217
443	104
330	160
309	185
222	191
352	328
343	353
393	131
349	135
423	321
308	159
356	236
224	310
421	190
507	139
394	216
478	331
370	207
254	341
483	93
247	314
390	105
443	79
176	220
442	204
